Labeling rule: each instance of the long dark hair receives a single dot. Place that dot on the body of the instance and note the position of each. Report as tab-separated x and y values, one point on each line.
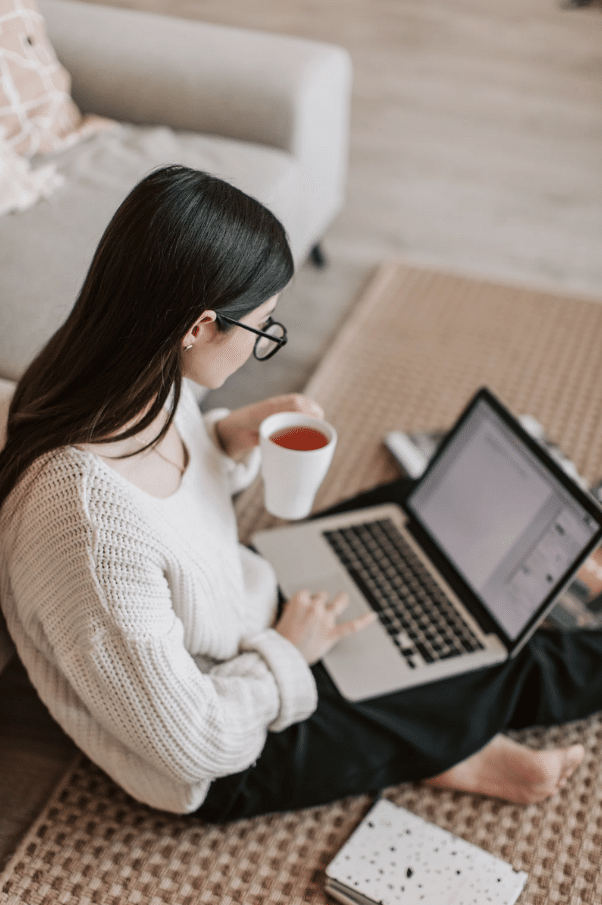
181	243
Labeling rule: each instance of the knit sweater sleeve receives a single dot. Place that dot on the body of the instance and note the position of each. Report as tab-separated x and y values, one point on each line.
242	472
105	648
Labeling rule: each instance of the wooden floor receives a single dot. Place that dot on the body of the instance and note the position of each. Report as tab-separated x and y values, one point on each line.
476	147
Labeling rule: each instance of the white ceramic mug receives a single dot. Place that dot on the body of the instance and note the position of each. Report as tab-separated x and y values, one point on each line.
292	476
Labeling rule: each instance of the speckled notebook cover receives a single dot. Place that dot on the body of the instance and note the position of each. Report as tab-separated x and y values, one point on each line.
395	857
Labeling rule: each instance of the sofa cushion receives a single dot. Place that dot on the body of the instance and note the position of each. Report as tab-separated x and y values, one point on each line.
36	110
45	251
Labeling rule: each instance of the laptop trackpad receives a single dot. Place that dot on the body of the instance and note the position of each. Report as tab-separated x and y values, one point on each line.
383	668
333	583
371	645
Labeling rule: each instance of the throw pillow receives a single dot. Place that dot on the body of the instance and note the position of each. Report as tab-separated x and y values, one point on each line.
36	109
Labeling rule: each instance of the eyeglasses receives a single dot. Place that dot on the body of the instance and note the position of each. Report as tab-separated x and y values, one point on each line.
268	341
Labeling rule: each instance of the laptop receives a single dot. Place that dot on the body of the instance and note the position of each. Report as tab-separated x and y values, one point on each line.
462	573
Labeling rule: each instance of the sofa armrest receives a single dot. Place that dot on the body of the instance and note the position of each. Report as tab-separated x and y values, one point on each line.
153	69
288	93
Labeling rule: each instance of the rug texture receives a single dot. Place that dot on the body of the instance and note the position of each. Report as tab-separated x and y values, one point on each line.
415	349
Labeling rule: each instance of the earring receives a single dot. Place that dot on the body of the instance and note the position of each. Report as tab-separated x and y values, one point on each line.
186	348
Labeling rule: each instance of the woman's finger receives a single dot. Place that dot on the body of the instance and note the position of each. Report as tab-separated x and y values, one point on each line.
304	596
291	402
356	625
339	603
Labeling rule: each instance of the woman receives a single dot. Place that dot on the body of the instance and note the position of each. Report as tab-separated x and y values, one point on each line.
151	635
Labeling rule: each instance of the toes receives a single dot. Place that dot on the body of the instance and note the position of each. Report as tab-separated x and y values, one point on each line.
578	753
574	756
559	766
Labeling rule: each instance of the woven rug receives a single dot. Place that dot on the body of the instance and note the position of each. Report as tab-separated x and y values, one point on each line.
415	349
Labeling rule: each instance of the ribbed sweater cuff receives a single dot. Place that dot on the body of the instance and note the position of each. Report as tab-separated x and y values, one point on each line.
296	685
241	473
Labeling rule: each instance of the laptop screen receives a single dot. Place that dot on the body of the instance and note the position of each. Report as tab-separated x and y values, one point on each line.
503	519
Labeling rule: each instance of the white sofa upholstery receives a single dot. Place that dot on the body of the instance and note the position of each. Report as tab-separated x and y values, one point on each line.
268	113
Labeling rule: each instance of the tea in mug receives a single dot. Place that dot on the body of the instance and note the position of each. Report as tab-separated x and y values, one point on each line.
299	438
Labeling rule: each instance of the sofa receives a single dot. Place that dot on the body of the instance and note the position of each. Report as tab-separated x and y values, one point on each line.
268	113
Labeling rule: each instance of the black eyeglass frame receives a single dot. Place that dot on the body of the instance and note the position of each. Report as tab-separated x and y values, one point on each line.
261	334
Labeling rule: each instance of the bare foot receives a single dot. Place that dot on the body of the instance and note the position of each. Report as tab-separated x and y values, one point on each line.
504	769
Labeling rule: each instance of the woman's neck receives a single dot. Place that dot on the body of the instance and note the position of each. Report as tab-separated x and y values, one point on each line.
157	470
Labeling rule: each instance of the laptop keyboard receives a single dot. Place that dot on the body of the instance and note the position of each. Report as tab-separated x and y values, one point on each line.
408	601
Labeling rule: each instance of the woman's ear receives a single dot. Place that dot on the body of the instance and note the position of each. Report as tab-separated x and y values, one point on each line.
201	329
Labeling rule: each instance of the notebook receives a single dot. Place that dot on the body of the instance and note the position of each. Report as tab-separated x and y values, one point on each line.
462	574
397	858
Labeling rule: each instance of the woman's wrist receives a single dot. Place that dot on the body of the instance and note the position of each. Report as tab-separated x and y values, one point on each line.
227	440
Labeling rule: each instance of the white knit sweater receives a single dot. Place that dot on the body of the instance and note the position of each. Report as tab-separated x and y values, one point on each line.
143	623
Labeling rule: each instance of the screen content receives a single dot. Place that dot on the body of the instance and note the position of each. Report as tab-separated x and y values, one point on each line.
511	529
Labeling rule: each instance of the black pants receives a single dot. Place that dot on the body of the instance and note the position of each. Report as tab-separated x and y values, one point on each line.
347	748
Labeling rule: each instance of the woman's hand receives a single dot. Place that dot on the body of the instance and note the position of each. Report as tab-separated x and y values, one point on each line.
309	622
239	431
